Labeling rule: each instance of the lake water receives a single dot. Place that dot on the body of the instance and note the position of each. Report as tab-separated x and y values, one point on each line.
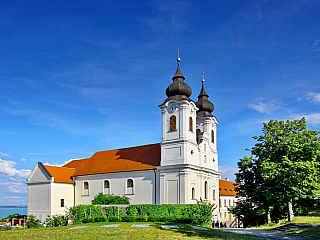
4	212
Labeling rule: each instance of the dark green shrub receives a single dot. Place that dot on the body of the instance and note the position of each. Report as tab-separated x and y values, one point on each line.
100	219
113	219
141	219
127	218
87	220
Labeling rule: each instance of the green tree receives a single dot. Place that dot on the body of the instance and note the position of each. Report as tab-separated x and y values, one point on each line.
283	170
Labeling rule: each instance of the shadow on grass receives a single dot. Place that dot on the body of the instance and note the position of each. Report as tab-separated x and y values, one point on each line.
188	231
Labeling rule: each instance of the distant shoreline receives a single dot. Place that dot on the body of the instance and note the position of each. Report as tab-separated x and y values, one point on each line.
22	206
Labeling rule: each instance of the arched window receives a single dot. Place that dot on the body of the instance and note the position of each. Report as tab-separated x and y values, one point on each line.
106	187
214	194
205	190
205	158
106	184
225	202
173	125
197	134
212	136
190	124
193	193
86	188
129	183
129	188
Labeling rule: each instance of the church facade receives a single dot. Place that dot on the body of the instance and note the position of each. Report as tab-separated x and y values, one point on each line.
180	170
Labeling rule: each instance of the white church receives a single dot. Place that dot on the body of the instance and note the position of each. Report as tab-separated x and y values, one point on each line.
180	170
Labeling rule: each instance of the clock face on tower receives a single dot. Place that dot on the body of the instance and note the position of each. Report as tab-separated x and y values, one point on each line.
171	108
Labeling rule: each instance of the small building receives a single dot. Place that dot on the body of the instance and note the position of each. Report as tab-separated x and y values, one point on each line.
227	198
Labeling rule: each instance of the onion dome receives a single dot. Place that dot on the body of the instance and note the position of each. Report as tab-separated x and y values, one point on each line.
178	90
178	87
205	106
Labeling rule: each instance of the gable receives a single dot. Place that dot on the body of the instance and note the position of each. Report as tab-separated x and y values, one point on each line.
39	174
120	160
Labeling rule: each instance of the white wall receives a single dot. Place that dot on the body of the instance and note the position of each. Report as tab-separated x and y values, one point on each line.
143	186
61	191
39	200
225	202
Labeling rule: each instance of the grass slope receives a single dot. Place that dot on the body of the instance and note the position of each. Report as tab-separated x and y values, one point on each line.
123	231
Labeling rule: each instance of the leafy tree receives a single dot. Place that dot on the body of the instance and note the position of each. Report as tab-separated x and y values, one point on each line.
109	199
283	170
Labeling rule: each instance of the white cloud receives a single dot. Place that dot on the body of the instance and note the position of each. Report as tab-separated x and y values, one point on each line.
313	118
312	97
228	172
8	171
265	107
13	187
23	160
5	154
60	165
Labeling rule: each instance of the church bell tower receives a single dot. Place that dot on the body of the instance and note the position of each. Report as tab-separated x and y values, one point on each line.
188	169
178	144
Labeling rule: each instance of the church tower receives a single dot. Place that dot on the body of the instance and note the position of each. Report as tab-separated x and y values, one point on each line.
178	144
188	169
206	130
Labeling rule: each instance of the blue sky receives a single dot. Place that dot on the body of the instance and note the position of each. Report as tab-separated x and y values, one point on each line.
78	77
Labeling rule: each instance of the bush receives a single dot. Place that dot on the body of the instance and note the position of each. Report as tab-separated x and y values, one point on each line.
114	211
87	220
79	212
100	219
196	214
32	222
127	218
101	199
56	221
113	219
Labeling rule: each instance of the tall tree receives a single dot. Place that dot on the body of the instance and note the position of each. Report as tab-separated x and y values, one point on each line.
283	169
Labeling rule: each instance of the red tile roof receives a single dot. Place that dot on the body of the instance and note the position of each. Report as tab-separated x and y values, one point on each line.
60	174
118	160
227	188
121	160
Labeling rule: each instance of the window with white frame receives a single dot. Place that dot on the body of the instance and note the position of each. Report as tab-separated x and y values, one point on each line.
85	189
106	187
129	186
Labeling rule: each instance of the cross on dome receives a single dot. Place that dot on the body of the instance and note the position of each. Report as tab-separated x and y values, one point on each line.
179	59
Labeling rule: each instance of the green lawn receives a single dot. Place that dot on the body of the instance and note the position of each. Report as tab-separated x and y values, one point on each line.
123	231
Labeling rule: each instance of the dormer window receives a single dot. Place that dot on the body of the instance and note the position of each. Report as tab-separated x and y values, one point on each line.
173	125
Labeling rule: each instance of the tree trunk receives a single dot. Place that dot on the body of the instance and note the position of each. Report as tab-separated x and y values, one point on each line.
290	212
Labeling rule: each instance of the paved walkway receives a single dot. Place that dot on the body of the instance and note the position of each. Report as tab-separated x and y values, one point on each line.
262	233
